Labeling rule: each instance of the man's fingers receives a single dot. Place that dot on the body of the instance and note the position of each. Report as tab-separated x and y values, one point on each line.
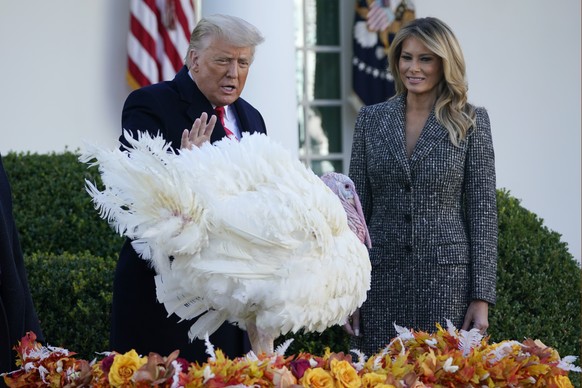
185	141
204	117
210	126
200	132
194	132
201	124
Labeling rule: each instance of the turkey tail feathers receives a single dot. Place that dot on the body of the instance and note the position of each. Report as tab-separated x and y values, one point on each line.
207	323
176	302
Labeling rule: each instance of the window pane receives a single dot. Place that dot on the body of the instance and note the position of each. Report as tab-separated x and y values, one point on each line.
324	130
323	75
320	167
327	22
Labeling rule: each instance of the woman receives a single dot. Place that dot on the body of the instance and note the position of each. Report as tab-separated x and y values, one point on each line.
424	167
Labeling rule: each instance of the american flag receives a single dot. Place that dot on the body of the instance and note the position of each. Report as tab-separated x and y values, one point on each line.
159	34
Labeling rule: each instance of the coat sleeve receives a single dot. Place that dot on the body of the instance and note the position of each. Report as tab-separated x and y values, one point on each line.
481	208
141	112
358	165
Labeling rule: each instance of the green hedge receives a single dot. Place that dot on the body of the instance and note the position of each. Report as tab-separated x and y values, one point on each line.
53	212
538	282
539	290
72	296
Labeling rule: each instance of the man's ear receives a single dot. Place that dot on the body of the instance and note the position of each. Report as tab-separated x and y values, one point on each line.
193	60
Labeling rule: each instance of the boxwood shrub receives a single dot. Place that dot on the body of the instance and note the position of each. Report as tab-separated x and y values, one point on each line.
72	296
539	283
52	210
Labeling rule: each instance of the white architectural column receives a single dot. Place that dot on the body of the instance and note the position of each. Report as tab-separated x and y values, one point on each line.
270	86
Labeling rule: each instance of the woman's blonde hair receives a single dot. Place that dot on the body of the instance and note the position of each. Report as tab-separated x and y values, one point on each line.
451	107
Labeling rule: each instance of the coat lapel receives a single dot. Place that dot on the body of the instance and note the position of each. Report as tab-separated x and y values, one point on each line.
432	134
243	120
392	130
190	93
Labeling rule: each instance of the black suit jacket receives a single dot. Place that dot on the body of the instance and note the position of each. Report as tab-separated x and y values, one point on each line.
138	321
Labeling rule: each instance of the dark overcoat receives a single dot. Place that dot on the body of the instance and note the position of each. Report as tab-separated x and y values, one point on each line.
432	220
17	313
138	321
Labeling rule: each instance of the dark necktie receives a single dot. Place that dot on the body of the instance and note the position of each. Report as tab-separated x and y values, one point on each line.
220	114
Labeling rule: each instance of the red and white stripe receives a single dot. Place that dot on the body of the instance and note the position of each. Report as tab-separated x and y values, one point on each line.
159	34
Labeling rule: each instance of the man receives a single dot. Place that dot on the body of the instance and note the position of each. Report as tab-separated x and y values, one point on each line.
217	63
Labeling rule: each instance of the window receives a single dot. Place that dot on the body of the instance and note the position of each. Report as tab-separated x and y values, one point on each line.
320	43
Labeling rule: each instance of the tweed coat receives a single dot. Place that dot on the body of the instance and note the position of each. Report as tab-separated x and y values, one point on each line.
138	320
432	220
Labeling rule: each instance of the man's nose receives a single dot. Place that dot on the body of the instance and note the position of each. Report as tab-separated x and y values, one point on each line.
232	71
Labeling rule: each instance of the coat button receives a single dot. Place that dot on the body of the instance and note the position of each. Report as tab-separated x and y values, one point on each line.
407	188
408	217
408	248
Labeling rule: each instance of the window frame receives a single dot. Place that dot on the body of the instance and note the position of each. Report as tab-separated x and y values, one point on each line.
348	111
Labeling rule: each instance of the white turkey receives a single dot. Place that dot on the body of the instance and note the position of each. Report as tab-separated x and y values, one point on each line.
236	231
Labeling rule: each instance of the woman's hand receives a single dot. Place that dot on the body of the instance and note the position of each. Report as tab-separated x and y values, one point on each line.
477	316
352	326
200	132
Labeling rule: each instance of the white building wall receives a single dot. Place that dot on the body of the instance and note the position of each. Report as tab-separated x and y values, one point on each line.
63	82
62	73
